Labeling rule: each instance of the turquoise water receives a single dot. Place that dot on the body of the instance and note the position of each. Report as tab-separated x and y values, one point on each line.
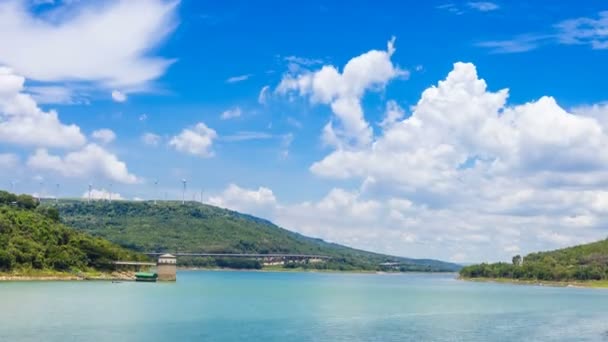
260	306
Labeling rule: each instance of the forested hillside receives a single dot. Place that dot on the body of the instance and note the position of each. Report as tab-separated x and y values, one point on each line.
31	237
583	262
193	227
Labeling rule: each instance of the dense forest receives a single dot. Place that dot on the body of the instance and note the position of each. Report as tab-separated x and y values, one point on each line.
193	227
578	263
31	237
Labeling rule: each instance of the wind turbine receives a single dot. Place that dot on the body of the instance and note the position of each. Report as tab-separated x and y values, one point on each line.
184	192
90	188
110	193
155	190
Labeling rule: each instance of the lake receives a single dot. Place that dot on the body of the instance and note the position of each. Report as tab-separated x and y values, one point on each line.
266	306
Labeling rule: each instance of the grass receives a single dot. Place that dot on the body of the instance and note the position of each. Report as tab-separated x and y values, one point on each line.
603	284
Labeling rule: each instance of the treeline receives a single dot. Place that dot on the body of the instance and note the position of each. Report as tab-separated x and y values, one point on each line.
31	237
171	226
579	263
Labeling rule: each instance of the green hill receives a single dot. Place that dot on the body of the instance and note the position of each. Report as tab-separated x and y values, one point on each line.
193	227
32	238
578	263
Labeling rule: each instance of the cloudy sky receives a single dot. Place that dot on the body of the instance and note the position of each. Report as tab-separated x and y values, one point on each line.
465	131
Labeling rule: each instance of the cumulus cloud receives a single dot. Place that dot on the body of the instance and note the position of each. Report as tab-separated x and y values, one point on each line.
151	139
196	140
231	113
466	176
119	96
90	161
459	127
102	194
87	41
22	122
104	135
343	92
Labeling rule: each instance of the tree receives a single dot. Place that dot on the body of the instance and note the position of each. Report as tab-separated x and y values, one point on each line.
517	260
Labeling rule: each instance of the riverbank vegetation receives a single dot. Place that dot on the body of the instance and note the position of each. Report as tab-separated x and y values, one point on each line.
193	227
583	263
33	242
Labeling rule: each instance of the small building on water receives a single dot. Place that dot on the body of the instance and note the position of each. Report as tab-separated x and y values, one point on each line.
166	267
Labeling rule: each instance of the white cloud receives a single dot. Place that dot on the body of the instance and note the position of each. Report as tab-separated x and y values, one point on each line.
143	117
102	194
460	122
22	122
343	91
585	31
196	140
247	135
578	31
104	135
52	94
465	176
91	161
263	96
8	160
240	78
87	41
259	202
231	113
286	141
303	60
118	96
483	6
151	139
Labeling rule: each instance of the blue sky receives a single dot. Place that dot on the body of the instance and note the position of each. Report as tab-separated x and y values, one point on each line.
351	123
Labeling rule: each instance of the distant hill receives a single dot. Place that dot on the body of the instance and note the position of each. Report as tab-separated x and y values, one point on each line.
32	238
193	227
582	262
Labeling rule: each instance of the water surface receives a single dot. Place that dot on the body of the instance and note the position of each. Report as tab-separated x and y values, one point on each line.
263	306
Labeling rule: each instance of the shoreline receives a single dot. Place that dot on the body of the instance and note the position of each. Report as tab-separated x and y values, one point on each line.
591	284
65	276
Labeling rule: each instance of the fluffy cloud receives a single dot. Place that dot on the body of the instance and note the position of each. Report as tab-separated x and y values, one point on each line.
196	140
466	176
151	139
343	91
231	113
22	122
87	41
459	129
259	202
119	96
91	161
104	135
102	194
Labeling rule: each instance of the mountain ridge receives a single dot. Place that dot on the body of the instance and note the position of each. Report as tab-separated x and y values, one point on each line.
194	227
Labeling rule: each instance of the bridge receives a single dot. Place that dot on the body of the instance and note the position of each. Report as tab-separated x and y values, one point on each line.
167	266
246	255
